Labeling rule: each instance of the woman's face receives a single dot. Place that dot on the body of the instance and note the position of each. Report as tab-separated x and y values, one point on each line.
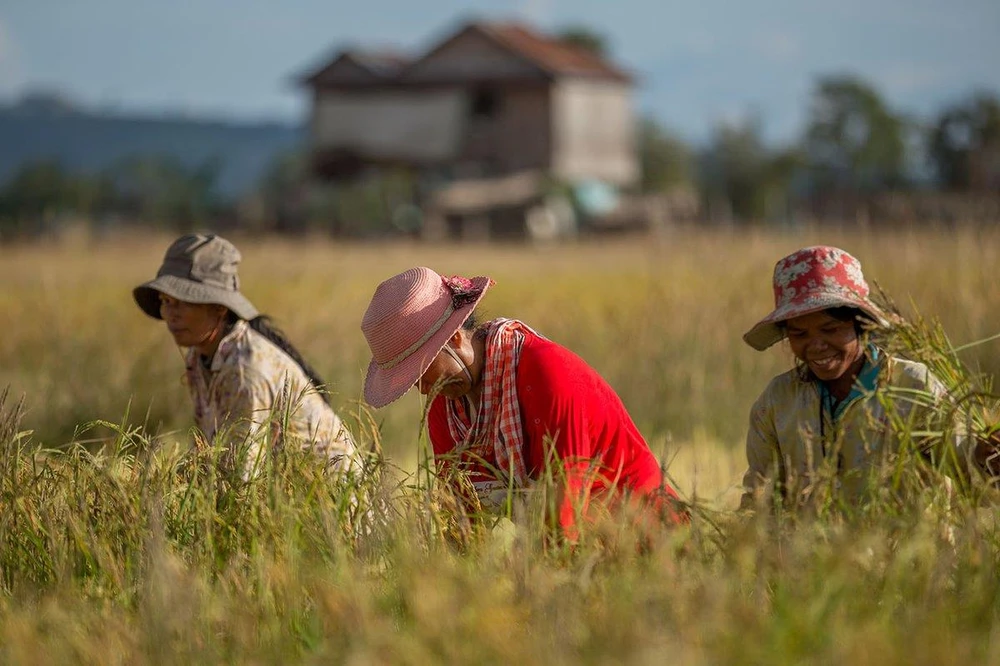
828	346
448	369
191	324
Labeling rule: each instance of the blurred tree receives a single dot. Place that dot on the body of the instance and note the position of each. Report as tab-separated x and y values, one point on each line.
282	192
585	38
964	144
41	192
38	193
666	161
38	188
741	171
378	201
160	190
853	141
95	195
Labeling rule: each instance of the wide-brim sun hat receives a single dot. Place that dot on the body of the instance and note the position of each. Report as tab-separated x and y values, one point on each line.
811	280
197	268
408	322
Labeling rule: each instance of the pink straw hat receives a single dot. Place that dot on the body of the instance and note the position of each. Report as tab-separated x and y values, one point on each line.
410	318
810	280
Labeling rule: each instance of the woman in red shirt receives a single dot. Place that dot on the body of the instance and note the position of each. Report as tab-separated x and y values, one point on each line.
505	399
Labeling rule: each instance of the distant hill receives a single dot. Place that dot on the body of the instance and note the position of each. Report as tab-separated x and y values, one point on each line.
49	127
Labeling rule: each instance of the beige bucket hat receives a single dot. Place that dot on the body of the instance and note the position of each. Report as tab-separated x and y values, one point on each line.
197	268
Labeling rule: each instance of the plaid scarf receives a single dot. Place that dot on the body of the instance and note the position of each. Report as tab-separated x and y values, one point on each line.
496	435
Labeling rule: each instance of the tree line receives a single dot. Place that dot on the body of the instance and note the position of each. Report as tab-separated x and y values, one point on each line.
854	147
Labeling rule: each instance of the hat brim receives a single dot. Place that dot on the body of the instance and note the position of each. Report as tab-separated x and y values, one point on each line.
383	386
767	331
147	296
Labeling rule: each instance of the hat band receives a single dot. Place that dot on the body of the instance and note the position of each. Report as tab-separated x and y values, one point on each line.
434	328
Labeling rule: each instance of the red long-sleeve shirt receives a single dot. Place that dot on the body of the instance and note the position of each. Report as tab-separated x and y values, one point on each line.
565	401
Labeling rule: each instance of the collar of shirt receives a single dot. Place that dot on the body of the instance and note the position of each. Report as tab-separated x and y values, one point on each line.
223	350
866	382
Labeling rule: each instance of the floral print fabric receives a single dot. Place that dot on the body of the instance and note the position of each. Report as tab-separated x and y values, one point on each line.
253	393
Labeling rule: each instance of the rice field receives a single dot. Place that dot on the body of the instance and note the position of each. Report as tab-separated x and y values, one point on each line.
112	550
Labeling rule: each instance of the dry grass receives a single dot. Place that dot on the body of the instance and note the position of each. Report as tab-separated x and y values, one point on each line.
119	558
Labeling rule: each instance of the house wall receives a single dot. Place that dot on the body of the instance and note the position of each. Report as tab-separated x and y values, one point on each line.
418	126
594	131
527	128
516	137
516	134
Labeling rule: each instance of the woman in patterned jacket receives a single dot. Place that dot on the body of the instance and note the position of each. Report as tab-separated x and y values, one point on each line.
837	418
249	385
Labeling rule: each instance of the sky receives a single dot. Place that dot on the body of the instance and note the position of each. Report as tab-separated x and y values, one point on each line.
697	63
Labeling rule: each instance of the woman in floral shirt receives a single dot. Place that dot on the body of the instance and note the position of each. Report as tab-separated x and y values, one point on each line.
250	387
834	420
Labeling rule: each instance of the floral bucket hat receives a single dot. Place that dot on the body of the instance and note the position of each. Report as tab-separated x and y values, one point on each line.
409	320
197	268
810	280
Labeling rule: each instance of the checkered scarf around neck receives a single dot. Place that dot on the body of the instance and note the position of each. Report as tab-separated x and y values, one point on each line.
498	420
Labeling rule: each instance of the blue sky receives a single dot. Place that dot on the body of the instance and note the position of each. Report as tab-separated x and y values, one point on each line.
698	63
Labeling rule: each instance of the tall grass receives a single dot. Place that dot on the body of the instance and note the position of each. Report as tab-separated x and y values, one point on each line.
122	543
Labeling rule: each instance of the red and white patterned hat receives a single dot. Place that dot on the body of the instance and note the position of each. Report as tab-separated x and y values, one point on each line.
810	280
409	320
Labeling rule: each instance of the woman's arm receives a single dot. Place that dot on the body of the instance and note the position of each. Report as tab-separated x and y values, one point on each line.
448	468
961	451
563	401
244	407
764	464
987	455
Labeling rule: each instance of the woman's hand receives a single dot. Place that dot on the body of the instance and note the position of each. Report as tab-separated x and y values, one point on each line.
987	454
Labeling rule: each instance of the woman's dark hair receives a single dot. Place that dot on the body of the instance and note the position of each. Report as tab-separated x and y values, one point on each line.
262	324
861	319
471	322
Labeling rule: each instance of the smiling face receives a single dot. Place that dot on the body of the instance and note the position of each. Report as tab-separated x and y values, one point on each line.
828	346
192	324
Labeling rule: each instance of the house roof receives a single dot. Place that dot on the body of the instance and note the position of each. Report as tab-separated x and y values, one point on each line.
554	56
376	65
383	63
